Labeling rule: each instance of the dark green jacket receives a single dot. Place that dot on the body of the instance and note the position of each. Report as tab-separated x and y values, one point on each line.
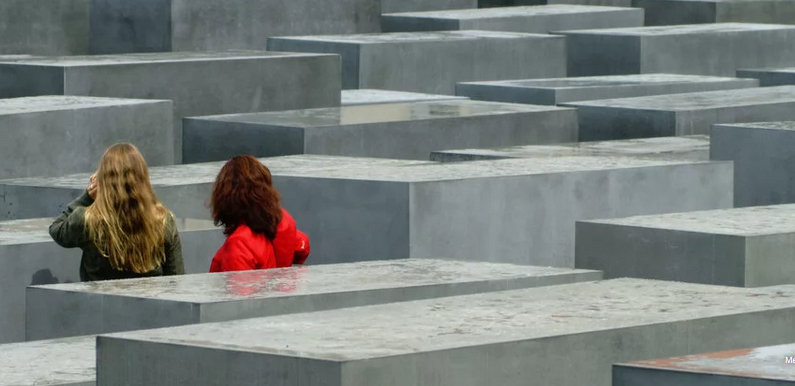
69	231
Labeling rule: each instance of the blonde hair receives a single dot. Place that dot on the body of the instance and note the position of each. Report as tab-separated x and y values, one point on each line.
126	222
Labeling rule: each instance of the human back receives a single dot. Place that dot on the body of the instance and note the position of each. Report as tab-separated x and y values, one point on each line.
119	222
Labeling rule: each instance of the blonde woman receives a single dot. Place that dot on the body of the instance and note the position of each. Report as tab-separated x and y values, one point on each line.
118	222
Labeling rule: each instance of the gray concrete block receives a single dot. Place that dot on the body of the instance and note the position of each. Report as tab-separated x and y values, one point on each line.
375	97
508	3
761	366
669	12
692	148
699	49
560	335
28	256
562	90
185	189
392	6
63	310
57	135
770	76
198	83
764	160
403	131
58	362
119	26
606	3
432	62
681	114
44	27
534	19
745	247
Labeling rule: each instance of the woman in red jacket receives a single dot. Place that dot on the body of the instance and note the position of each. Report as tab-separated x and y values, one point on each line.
260	233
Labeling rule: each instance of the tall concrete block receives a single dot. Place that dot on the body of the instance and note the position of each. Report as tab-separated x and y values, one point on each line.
669	12
57	362
184	189
375	97
770	76
681	114
563	90
432	62
63	310
198	83
764	160
692	147
43	27
119	26
392	6
699	49
536	19
746	247
28	256
57	135
760	366
402	131
560	335
529	206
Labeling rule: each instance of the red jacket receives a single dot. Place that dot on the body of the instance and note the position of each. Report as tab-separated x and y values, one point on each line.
245	250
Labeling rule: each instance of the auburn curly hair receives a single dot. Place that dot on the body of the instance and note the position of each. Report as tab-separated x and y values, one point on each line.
243	193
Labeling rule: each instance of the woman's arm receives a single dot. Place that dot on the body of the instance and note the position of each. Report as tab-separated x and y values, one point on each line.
174	265
68	230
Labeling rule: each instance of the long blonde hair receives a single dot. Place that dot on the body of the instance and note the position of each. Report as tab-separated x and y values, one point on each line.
126	221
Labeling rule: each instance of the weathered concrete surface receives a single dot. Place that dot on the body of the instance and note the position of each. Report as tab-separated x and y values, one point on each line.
44	27
28	256
693	148
375	97
57	362
764	162
561	335
668	12
119	26
391	6
184	189
198	83
535	19
57	135
681	114
768	366
432	62
770	76
700	49
101	307
562	90
402	131
607	3
745	247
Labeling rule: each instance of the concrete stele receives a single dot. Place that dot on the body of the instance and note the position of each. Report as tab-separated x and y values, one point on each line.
57	362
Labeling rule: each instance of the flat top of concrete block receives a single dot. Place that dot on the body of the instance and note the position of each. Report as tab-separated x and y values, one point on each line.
200	173
373	96
410	37
785	125
750	221
380	113
699	100
464	321
640	146
504	12
49	362
312	280
36	230
768	362
786	70
611	80
55	103
493	168
146	58
685	29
